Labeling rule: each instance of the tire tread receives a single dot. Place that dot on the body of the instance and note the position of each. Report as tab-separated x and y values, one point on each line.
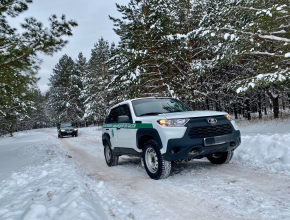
223	159
165	164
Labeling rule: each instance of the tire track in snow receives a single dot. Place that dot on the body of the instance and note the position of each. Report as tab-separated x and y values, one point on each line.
196	189
152	199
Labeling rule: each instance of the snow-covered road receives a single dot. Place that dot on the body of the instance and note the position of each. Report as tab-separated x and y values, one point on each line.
242	189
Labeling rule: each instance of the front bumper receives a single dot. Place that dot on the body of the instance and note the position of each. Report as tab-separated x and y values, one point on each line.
194	147
186	148
66	133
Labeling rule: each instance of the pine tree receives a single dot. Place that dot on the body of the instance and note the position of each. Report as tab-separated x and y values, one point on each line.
19	62
264	47
143	33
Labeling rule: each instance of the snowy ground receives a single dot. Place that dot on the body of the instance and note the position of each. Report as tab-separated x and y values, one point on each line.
43	177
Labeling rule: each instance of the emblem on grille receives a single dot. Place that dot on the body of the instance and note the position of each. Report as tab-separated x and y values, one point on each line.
212	121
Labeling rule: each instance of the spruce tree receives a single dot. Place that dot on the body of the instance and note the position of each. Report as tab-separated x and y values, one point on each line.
97	97
65	92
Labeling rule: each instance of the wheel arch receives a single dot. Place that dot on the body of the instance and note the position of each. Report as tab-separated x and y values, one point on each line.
145	134
106	139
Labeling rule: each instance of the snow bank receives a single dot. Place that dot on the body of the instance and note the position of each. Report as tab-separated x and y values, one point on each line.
56	189
269	151
265	146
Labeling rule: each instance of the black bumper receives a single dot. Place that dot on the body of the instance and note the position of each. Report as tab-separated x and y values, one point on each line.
186	148
68	134
194	147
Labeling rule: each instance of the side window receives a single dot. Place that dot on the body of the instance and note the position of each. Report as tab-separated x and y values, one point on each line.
125	110
113	117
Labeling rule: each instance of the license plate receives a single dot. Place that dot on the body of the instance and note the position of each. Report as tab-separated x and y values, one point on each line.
215	140
69	132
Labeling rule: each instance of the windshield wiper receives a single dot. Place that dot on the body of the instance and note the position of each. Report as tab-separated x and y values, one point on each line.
152	113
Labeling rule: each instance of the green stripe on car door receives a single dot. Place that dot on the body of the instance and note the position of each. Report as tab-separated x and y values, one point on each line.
129	125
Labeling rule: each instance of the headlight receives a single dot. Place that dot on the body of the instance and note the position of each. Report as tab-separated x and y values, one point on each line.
179	122
75	129
229	117
62	130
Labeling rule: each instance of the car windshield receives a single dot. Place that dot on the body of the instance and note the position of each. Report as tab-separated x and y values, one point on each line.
63	125
157	106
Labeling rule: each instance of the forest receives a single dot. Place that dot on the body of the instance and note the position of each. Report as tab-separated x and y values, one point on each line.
229	55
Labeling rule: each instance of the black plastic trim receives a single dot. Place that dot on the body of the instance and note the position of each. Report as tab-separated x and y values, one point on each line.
188	148
118	151
151	132
106	137
180	149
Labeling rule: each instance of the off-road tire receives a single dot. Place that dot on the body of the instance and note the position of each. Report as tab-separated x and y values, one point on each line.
76	135
221	158
60	136
111	159
151	155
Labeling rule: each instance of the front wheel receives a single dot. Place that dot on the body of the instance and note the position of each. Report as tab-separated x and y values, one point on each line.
111	159
221	158
156	166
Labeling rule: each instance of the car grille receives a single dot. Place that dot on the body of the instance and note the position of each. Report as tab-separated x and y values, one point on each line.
210	131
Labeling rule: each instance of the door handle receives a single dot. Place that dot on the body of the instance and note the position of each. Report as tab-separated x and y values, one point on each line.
118	128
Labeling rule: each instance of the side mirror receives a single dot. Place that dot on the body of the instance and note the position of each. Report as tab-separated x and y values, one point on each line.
58	127
124	119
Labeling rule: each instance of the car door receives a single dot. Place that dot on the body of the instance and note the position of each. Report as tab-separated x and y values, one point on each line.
126	132
111	127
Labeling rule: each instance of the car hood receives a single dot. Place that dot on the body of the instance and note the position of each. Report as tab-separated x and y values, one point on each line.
189	114
192	114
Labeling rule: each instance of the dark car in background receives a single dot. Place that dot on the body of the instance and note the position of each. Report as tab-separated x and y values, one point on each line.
67	129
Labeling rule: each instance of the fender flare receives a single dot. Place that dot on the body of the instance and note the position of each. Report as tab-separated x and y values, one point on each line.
106	137
151	132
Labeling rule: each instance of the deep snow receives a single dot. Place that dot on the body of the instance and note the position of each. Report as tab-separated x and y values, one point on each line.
44	177
46	184
265	145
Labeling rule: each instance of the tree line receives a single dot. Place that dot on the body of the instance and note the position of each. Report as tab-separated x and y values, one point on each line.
22	106
212	54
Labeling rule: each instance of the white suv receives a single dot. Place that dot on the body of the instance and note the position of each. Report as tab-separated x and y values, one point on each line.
161	130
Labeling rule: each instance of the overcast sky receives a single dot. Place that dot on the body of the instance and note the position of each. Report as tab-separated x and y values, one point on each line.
93	20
